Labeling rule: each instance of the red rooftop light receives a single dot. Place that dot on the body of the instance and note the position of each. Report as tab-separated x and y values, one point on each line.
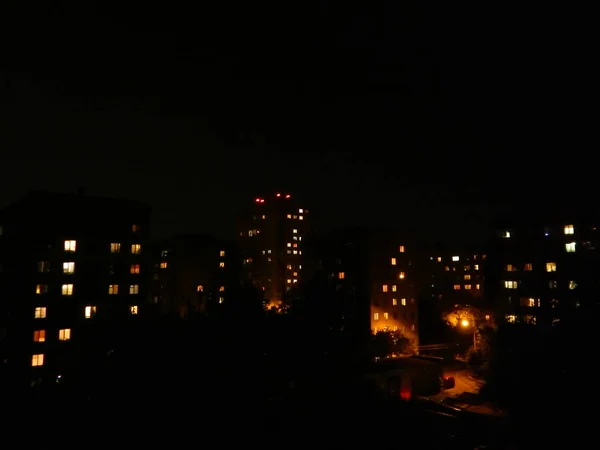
258	200
278	194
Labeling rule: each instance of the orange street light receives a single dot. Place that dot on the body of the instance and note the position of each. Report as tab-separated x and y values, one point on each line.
464	323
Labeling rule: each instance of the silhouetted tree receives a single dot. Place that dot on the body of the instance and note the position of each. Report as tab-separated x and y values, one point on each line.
385	343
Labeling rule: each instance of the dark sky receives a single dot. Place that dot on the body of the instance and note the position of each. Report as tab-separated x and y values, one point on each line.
375	115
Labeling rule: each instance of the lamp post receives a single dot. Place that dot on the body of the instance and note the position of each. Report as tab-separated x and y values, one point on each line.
465	324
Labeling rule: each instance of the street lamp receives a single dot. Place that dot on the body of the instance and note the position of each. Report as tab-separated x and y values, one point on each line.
465	323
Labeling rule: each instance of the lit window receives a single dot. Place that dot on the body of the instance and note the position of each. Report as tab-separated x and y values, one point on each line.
511	318
199	288
401	275
446	268
476	267
68	267
133	309
222	253
403	301
550	267
294	231
43	266
40	312
467	268
506	234
572	285
570	247
457	287
511	284
136	249
37	360
221	288
552	284
90	311
164	253
467	287
477	286
289	281
70	245
528	267
384	288
113	289
289	244
134	289
67	289
393	261
135	228
294	280
163	264
115	247
301	211
376	316
394	302
341	275
386	316
300	217
530	302
439	259
221	300
467	277
289	216
221	264
394	288
569	229
401	249
39	336
134	269
64	334
511	268
41	289
455	258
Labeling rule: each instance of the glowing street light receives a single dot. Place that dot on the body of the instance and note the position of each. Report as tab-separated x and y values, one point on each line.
464	323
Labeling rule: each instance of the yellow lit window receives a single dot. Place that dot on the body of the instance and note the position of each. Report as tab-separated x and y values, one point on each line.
467	277
289	216
393	261
136	249
569	229
510	268
200	288
67	289
446	268
222	289
222	253
300	217
295	231
394	288
37	360
572	285
41	289
221	300
386	316
341	275
468	287
113	289
384	288
70	245
476	266
457	287
40	312
133	309
506	234
135	228
68	267
511	284
528	267
163	265
90	311
39	336
289	281
221	264
439	259
394	302
511	318
134	289
401	275
401	248
403	301
376	316
570	247
550	267
64	334
477	286
115	247
134	269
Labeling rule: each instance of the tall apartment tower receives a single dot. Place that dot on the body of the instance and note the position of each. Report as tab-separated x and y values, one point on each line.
271	234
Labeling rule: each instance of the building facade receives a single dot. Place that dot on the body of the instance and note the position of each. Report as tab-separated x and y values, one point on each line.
74	270
271	235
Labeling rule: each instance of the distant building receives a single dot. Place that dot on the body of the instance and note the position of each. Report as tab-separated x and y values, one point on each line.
374	274
192	271
74	269
271	235
543	271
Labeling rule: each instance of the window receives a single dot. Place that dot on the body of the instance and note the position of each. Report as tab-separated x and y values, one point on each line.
115	247
401	275
553	284
41	289
455	258
376	316
510	268
70	245
476	267
550	267
401	249
39	336
386	316
40	312
37	360
136	249
530	302
133	309
403	301
384	288
511	318
467	277
90	311
135	228
394	288
457	287
295	231
394	302
221	264
570	247
43	266
163	265
528	267
439	259
64	334
341	275
134	269
467	268
393	261
134	289
300	218
468	287
221	300
572	285
511	284
68	267
569	229
67	289
506	234
113	289
199	288
477	286
222	253
221	288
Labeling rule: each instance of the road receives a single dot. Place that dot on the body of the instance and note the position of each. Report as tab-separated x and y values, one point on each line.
464	382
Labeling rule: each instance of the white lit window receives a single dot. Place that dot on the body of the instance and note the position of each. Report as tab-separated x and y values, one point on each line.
64	334
70	245
506	234
294	231
40	312
37	360
115	247
133	309
113	289
134	289
511	284
455	258
300	217
90	311
570	247
136	249
67	289
68	267
569	229
301	211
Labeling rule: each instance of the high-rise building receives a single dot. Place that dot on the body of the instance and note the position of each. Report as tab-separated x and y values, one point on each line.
272	232
74	272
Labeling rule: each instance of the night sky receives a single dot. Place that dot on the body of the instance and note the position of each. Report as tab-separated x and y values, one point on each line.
382	115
